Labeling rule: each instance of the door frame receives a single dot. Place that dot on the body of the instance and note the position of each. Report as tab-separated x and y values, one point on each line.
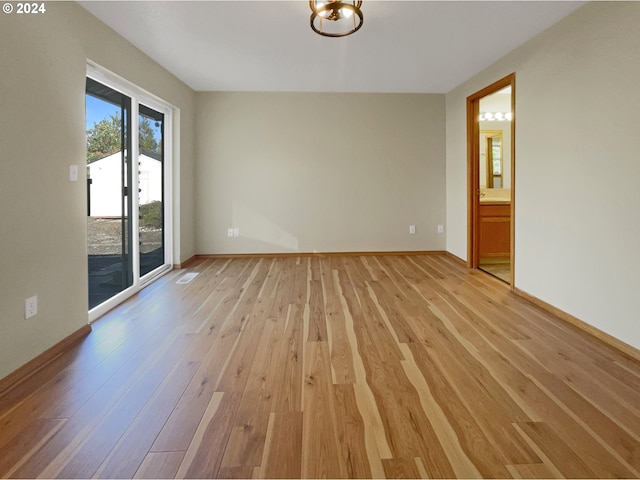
473	171
138	95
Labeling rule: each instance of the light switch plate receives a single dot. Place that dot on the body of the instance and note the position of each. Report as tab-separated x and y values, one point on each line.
73	173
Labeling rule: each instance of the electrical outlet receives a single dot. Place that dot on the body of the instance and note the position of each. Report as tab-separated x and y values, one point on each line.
229	232
236	232
412	229
31	307
440	228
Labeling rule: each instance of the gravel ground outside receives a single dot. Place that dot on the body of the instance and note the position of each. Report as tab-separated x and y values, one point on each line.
105	237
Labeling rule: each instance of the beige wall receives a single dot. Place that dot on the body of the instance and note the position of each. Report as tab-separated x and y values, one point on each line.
577	169
42	214
304	172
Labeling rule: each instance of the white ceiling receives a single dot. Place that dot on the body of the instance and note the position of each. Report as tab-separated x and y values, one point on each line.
413	47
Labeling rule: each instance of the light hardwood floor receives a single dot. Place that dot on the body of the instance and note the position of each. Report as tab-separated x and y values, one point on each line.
372	366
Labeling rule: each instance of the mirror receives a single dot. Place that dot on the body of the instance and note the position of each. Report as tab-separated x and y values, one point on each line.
494	161
491	159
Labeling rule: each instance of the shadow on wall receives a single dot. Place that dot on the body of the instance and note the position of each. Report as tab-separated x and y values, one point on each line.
255	226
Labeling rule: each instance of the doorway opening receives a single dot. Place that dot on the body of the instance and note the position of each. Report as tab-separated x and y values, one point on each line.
491	179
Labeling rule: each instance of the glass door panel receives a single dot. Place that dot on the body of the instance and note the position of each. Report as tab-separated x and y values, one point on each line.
150	189
108	120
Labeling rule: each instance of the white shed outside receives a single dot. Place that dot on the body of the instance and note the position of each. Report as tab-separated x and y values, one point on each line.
106	184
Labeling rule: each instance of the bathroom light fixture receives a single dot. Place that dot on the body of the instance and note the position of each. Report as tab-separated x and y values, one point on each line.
335	18
497	116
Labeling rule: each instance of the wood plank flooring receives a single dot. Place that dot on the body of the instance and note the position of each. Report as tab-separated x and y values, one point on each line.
337	366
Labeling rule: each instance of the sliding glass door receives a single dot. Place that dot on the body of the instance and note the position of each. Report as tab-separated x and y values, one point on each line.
127	212
108	202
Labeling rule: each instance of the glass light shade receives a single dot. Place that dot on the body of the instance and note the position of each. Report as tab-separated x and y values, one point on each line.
324	13
495	117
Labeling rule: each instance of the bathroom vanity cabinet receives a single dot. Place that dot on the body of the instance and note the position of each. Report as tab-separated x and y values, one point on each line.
495	229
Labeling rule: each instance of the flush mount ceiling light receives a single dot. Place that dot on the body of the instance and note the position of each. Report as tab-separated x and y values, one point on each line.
334	18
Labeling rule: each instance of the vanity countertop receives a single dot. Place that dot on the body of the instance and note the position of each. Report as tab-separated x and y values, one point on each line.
495	196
